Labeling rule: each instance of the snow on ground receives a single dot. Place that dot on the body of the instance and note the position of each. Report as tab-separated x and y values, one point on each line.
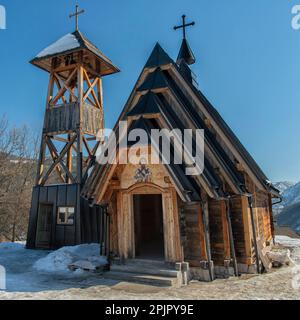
39	270
31	275
59	260
293	244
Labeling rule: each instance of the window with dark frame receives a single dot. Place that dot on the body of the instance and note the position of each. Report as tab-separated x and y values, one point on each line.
65	216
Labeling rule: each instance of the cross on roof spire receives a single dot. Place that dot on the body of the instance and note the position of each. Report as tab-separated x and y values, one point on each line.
184	25
76	15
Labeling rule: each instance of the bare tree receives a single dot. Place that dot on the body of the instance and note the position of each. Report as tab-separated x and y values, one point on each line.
18	153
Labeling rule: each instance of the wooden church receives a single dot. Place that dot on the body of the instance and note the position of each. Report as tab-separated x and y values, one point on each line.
214	223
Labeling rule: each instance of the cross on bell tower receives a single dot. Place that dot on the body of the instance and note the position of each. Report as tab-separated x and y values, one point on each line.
76	15
185	54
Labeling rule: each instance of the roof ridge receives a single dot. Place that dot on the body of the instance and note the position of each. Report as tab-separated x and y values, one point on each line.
158	57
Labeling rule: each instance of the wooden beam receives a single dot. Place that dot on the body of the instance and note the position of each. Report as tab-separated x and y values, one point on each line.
205	217
86	144
55	163
64	88
56	156
69	160
231	238
80	88
247	226
59	88
203	252
254	234
225	227
66	84
92	88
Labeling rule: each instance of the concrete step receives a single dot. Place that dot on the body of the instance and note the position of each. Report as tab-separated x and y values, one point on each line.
145	262
145	269
141	278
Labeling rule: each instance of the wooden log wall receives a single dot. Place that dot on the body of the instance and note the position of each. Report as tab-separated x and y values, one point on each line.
262	211
216	232
193	231
241	229
219	232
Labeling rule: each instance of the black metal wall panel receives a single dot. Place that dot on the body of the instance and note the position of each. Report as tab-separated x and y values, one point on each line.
43	198
69	232
89	226
52	198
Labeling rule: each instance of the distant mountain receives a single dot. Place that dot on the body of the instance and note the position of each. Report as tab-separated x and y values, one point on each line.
291	195
283	185
288	211
290	216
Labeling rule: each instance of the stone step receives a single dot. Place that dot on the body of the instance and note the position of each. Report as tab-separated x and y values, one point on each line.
141	278
145	269
146	263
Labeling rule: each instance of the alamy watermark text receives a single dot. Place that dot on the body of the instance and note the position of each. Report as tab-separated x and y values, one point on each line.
2	17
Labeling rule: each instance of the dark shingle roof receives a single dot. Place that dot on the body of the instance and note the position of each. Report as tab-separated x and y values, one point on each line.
155	80
158	57
186	53
148	104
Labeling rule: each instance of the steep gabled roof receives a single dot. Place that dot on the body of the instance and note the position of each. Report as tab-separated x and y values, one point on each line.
158	58
220	167
230	135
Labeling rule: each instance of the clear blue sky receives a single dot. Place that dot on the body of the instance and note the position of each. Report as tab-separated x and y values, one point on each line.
248	62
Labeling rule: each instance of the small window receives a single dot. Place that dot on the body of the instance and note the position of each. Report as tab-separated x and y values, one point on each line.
65	216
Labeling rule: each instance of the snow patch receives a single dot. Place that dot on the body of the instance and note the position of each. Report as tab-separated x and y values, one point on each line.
12	246
287	241
67	42
59	260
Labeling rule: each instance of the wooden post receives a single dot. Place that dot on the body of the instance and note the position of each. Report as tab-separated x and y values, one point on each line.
69	161
205	217
225	227
271	218
203	253
247	228
232	246
254	234
79	128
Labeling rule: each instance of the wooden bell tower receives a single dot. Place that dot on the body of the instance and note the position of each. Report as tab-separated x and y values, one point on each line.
72	132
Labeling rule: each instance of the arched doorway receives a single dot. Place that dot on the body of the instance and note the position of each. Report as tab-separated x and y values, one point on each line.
128	227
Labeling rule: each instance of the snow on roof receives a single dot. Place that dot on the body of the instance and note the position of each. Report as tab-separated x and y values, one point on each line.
67	42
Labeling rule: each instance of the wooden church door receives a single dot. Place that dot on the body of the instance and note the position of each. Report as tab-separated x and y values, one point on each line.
43	237
148	226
